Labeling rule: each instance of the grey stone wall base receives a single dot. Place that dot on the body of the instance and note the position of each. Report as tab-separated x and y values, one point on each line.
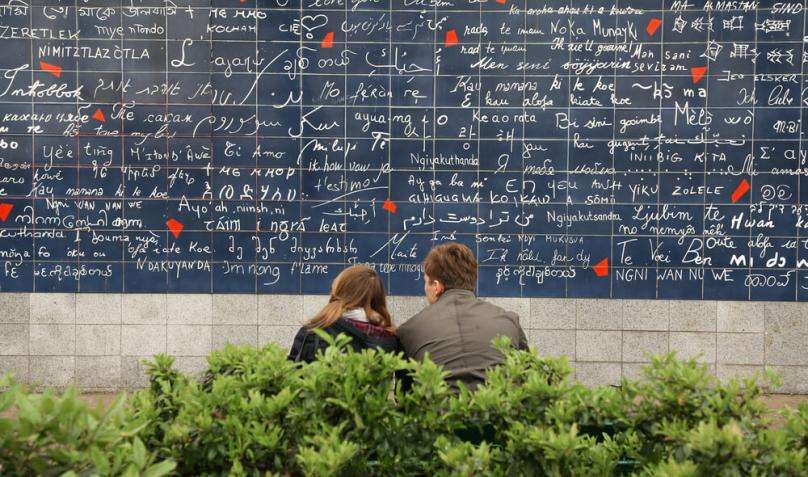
98	341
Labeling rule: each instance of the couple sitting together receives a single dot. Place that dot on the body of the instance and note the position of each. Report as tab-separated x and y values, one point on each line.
456	328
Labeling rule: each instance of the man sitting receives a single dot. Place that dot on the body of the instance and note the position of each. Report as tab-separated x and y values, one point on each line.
456	328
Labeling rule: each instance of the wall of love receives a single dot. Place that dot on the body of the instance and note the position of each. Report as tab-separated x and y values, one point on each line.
623	148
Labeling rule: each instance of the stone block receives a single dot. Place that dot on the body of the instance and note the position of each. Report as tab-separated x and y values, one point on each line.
700	346
646	315
786	334
98	308
189	309
795	379
232	309
52	371
597	345
599	314
143	340
98	340
280	335
191	365
693	315
740	348
133	372
551	314
402	308
598	374
312	304
52	340
552	342
276	310
53	308
98	373
740	316
240	335
786	349
17	366
638	346
633	371
785	316
726	372
144	309
188	340
13	339
15	308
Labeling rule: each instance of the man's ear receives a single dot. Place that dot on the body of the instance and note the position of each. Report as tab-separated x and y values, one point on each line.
440	288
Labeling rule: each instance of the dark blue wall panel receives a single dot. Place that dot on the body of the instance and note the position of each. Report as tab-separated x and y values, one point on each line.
618	149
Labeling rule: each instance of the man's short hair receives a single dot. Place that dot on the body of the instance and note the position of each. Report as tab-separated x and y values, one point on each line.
452	264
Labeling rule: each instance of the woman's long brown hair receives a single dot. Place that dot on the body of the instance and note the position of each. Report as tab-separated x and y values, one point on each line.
358	286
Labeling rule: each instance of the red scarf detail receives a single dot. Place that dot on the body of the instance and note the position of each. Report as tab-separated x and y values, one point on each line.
370	329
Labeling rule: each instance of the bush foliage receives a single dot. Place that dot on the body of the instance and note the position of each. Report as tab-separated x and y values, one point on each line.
377	414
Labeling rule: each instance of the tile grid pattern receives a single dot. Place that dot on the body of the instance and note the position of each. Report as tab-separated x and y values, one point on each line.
98	341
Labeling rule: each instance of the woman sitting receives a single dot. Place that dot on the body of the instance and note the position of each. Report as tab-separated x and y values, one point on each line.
357	308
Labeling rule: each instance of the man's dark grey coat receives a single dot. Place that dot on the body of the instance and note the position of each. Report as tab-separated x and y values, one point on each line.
457	331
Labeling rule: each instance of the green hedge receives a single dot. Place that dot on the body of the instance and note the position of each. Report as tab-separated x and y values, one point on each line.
255	413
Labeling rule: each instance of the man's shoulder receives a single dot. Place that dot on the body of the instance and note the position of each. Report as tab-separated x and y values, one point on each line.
412	322
492	310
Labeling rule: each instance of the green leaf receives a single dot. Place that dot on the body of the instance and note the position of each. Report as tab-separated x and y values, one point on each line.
138	453
160	469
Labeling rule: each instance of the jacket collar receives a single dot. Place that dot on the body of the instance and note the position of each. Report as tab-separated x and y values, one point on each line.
357	314
456	292
344	325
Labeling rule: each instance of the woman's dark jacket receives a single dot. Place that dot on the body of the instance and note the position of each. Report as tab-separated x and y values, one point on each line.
363	336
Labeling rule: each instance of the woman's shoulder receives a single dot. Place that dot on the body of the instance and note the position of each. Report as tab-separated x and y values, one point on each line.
367	328
371	335
301	346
